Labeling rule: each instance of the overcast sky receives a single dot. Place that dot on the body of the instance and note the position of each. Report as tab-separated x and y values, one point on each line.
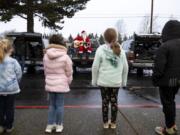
100	14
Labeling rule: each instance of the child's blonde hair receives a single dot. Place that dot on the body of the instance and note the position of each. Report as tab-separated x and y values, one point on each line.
5	47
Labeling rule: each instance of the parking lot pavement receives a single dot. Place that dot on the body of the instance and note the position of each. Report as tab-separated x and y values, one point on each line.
139	111
87	121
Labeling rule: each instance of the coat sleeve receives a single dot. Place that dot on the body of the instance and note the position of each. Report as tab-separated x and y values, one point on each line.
95	67
18	71
125	70
159	64
69	70
44	65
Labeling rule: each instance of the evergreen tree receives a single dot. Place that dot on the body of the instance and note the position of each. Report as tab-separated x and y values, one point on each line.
91	36
125	38
70	39
101	40
50	12
96	36
119	38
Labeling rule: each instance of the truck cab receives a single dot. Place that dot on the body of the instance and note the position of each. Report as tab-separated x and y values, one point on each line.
28	49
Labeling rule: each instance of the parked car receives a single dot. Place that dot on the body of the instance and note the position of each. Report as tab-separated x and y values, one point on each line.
141	51
28	46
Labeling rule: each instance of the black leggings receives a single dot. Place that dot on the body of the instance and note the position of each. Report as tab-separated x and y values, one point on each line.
167	95
7	111
109	95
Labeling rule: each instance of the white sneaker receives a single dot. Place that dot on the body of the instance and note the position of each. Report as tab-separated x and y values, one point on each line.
59	128
165	131
175	127
49	128
9	130
1	129
113	125
106	125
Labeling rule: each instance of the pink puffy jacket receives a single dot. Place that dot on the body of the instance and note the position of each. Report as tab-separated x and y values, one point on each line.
58	69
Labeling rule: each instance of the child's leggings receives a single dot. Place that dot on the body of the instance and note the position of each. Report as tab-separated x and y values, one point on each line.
109	96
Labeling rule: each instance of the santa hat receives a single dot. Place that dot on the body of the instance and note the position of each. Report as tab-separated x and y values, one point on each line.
83	31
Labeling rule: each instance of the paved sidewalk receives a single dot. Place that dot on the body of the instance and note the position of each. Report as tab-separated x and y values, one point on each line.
87	121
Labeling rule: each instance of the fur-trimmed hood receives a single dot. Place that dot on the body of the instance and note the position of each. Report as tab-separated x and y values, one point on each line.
54	51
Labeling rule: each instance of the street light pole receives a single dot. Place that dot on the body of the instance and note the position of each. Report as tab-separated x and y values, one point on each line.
151	22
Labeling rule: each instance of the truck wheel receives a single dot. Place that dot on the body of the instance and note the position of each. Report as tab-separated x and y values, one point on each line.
31	69
139	72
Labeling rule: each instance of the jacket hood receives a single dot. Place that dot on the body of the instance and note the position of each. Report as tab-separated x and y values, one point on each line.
109	52
171	30
55	51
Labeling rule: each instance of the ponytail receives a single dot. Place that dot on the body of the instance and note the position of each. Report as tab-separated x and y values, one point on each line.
110	36
115	46
5	47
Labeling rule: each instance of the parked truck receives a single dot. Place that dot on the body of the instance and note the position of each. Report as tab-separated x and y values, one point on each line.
83	61
141	51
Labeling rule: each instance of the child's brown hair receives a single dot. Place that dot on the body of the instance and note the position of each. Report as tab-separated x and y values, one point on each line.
110	35
57	39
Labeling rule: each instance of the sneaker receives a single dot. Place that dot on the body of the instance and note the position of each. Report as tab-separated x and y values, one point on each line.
59	128
175	128
113	125
9	130
106	125
165	131
1	129
49	128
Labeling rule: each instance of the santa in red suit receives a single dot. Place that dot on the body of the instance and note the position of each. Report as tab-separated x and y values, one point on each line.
83	43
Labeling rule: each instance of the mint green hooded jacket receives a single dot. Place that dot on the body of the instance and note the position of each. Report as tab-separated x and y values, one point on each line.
108	69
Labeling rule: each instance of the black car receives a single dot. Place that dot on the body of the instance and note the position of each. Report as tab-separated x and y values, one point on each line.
141	51
28	49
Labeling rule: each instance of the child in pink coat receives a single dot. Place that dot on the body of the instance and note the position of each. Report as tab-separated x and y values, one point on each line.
58	76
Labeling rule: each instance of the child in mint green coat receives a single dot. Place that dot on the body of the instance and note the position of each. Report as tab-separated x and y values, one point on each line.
109	72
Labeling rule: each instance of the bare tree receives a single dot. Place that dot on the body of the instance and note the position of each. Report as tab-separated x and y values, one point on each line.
145	25
120	25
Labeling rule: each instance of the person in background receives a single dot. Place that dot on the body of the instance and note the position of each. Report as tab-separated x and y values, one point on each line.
10	75
166	74
83	44
58	76
109	72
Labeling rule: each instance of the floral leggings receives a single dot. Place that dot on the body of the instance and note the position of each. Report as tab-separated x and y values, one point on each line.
109	96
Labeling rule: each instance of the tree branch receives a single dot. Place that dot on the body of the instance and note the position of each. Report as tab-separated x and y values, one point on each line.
22	16
39	16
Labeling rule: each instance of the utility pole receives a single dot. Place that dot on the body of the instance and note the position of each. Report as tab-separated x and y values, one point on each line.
151	22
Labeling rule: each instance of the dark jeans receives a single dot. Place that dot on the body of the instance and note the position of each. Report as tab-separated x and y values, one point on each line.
167	95
109	96
7	111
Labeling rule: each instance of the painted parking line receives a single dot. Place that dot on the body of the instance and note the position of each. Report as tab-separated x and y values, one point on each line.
97	106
